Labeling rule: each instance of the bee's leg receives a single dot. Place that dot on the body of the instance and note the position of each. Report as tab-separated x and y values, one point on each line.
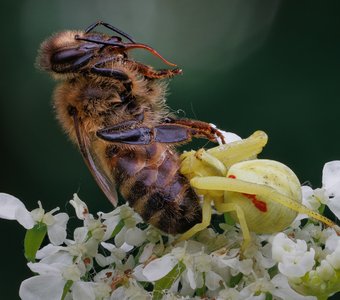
169	133
116	74
135	136
163	133
83	59
125	125
151	73
198	129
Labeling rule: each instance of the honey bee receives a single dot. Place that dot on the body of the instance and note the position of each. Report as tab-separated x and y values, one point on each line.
114	109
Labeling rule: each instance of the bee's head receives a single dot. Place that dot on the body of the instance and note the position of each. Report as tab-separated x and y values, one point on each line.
66	52
70	52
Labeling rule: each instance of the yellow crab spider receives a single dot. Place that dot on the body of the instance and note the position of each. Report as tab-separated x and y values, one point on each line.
263	195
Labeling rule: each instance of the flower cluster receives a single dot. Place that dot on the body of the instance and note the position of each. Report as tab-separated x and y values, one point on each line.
116	256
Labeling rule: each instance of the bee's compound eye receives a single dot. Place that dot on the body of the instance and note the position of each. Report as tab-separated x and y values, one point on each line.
66	56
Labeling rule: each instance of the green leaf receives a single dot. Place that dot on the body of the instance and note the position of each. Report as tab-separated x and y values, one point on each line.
234	280
67	288
322	209
273	271
228	219
33	240
201	291
117	229
166	282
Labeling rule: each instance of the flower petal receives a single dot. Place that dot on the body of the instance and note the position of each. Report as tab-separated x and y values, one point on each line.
146	253
42	287
46	269
48	250
24	218
284	291
228	136
9	205
334	204
83	291
331	176
212	280
80	207
135	236
11	208
138	273
57	231
159	267
80	234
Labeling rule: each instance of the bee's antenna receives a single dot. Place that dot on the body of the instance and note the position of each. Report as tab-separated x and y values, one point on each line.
127	46
109	26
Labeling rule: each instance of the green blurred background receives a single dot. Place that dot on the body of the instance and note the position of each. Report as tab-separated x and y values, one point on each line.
248	65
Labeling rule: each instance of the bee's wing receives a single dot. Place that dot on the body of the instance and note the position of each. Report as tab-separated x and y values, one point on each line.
93	162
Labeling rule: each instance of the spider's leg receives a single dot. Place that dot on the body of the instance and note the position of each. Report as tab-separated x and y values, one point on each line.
206	217
237	151
212	162
228	207
262	190
216	161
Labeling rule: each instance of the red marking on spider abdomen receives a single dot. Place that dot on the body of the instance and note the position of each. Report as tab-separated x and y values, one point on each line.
259	204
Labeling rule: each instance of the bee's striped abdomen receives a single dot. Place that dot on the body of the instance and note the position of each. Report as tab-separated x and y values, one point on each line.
150	181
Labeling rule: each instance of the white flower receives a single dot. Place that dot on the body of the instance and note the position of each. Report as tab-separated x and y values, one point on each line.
95	227
332	239
117	254
82	246
147	252
293	257
237	265
103	281
42	287
331	184
132	290
211	262
213	280
83	291
50	282
111	220
282	289
278	287
228	136
329	194
132	236
56	224
80	207
12	208
334	258
325	270
229	294
160	267
135	236
311	199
